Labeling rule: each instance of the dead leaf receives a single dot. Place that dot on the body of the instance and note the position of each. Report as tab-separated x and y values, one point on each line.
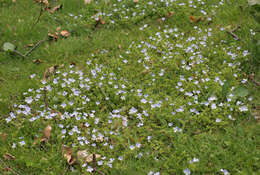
169	14
13	0
53	36
47	132
58	29
48	72
29	45
193	19
65	33
3	136
8	156
82	155
90	157
67	153
99	22
87	1
54	9
45	2
37	61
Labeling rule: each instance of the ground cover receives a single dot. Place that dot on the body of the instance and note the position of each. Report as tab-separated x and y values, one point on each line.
130	87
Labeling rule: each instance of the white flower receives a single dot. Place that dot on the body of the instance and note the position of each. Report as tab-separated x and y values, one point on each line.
22	143
218	120
132	147
132	110
243	108
144	100
28	100
186	171
224	171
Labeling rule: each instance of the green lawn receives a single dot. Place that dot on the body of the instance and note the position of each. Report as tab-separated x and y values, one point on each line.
157	87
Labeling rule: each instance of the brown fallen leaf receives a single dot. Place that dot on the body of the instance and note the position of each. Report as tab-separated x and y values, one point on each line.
67	153
99	22
48	72
193	19
53	36
65	33
29	45
56	8
87	1
47	132
37	61
45	2
82	155
8	156
58	29
169	14
90	157
3	136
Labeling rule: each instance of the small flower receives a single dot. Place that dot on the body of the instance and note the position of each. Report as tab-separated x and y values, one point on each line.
243	108
132	147
224	171
186	171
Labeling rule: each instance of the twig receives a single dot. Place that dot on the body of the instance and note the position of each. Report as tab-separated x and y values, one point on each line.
232	33
41	12
34	47
19	53
9	167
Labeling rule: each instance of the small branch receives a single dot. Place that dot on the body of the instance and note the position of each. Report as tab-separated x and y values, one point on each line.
34	47
233	35
41	12
19	53
9	167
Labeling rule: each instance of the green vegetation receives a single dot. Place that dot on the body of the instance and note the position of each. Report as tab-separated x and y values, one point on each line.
129	87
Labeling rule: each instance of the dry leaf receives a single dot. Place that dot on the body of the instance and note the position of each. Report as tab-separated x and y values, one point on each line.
99	22
3	136
169	14
67	153
53	36
193	19
64	33
58	29
90	157
45	2
13	0
58	7
29	45
47	132
81	155
37	61
8	156
49	71
87	1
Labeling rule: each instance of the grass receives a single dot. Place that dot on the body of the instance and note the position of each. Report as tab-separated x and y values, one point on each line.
175	95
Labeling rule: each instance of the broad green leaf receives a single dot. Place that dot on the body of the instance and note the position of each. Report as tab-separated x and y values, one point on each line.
241	91
8	47
253	2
